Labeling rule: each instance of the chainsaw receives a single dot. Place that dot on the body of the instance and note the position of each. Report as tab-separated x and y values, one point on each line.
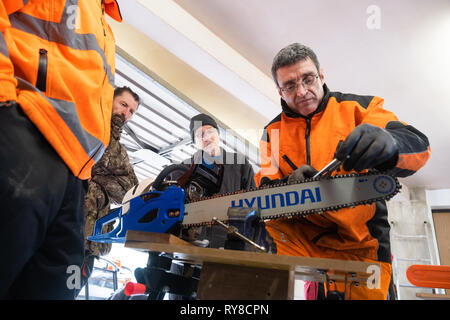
161	211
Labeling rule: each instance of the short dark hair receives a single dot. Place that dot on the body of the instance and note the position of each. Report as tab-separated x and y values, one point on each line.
290	55
119	90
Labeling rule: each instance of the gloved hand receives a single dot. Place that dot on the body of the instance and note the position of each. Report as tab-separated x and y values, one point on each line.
367	147
304	172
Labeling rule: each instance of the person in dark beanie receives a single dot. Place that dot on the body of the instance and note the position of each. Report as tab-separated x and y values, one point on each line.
199	121
205	135
237	175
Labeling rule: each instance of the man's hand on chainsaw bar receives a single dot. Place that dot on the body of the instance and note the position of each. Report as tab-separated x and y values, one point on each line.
304	172
367	147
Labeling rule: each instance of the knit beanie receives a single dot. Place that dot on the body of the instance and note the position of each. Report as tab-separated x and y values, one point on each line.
201	120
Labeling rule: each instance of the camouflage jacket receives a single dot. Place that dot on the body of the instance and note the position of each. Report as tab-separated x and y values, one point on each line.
114	171
112	177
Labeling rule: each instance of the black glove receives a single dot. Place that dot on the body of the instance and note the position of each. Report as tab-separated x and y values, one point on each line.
304	172
367	147
265	181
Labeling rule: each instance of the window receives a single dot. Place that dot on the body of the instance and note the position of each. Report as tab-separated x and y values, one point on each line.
158	134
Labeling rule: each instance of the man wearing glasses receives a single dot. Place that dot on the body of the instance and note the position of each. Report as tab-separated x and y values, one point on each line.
306	136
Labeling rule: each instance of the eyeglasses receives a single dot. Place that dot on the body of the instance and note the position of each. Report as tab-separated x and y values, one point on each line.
306	83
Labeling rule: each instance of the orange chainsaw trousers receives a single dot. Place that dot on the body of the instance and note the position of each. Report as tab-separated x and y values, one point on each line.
380	274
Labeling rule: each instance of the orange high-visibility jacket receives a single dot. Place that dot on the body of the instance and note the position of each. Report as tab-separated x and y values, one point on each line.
291	140
57	62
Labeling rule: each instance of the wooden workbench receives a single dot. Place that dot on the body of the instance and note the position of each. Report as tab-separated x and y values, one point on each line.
232	274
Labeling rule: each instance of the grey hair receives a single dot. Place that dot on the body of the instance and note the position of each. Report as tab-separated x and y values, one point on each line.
290	55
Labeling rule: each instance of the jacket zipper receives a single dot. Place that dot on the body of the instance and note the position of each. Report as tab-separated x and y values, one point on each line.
289	162
41	81
308	150
103	83
103	17
307	133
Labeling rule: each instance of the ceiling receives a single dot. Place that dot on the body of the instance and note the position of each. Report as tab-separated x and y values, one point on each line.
398	50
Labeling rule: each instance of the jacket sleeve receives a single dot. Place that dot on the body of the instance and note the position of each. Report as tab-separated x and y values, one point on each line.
122	180
269	163
413	145
414	148
248	177
114	172
8	83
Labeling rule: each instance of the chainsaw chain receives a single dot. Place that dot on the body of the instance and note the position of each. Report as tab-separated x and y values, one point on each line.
303	214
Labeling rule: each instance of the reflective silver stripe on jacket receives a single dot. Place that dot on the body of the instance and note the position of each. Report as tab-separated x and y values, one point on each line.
3	46
62	32
67	111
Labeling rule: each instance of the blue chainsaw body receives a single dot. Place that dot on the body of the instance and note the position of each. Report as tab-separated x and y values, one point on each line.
155	211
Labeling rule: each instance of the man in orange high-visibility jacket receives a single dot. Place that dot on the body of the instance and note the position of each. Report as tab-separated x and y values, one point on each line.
56	89
305	137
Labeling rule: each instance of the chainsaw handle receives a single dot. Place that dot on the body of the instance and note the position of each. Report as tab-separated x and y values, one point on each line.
156	211
110	217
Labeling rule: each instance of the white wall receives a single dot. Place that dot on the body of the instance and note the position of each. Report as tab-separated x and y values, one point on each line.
410	213
438	199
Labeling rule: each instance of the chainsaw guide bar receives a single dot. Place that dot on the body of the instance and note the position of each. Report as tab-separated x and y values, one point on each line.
284	200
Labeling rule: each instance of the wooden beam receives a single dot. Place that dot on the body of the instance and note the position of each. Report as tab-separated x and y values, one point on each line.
313	269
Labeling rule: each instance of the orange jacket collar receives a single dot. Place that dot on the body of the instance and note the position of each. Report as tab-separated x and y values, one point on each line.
113	10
